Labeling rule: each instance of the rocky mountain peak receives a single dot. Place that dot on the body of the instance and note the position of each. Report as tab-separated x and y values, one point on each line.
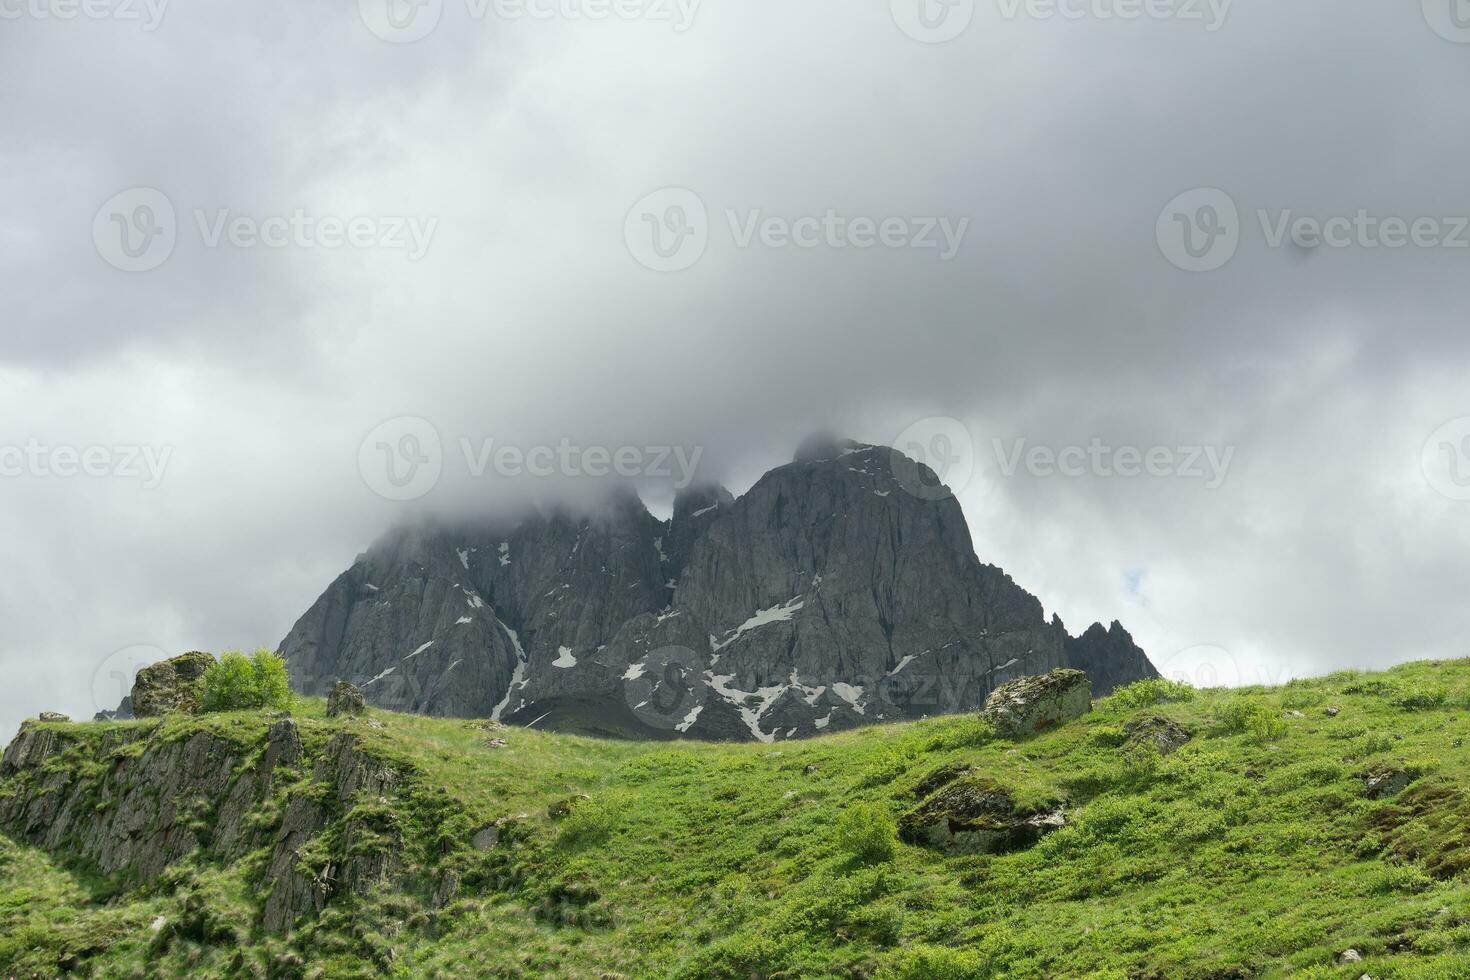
826	596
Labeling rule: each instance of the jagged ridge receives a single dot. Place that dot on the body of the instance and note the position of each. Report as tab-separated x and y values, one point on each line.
826	597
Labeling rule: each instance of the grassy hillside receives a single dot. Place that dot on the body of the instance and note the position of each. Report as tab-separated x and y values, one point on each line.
1254	850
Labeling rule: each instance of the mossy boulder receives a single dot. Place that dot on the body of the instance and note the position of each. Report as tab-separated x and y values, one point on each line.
563	808
345	699
1032	704
1381	782
976	815
1165	735
174	685
941	777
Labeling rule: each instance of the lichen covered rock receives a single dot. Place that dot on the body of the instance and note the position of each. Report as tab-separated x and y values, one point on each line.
1033	704
345	699
976	815
1165	735
171	686
1383	782
564	808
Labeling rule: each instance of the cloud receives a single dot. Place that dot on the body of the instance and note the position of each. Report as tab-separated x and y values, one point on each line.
529	319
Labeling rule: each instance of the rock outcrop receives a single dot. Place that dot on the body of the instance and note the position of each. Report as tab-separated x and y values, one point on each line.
131	801
170	686
827	596
1384	781
976	815
345	699
1032	704
1164	735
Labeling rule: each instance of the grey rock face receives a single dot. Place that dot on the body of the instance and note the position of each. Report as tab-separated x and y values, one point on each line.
1033	704
124	712
1108	657
53	716
825	597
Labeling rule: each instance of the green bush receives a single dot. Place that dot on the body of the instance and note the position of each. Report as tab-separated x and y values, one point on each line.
924	962
1421	699
592	821
1157	690
866	832
970	732
1267	726
240	683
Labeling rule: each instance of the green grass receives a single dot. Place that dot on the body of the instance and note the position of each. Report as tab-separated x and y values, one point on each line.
1252	851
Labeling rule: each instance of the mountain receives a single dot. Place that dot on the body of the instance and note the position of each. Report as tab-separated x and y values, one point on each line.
1312	830
826	597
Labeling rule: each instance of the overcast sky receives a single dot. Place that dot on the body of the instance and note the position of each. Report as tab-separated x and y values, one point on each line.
510	170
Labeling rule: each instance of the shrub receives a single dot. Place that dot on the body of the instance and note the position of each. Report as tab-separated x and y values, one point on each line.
937	963
1139	765
887	765
1242	715
1421	700
969	732
240	683
1267	726
592	821
1156	690
867	833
